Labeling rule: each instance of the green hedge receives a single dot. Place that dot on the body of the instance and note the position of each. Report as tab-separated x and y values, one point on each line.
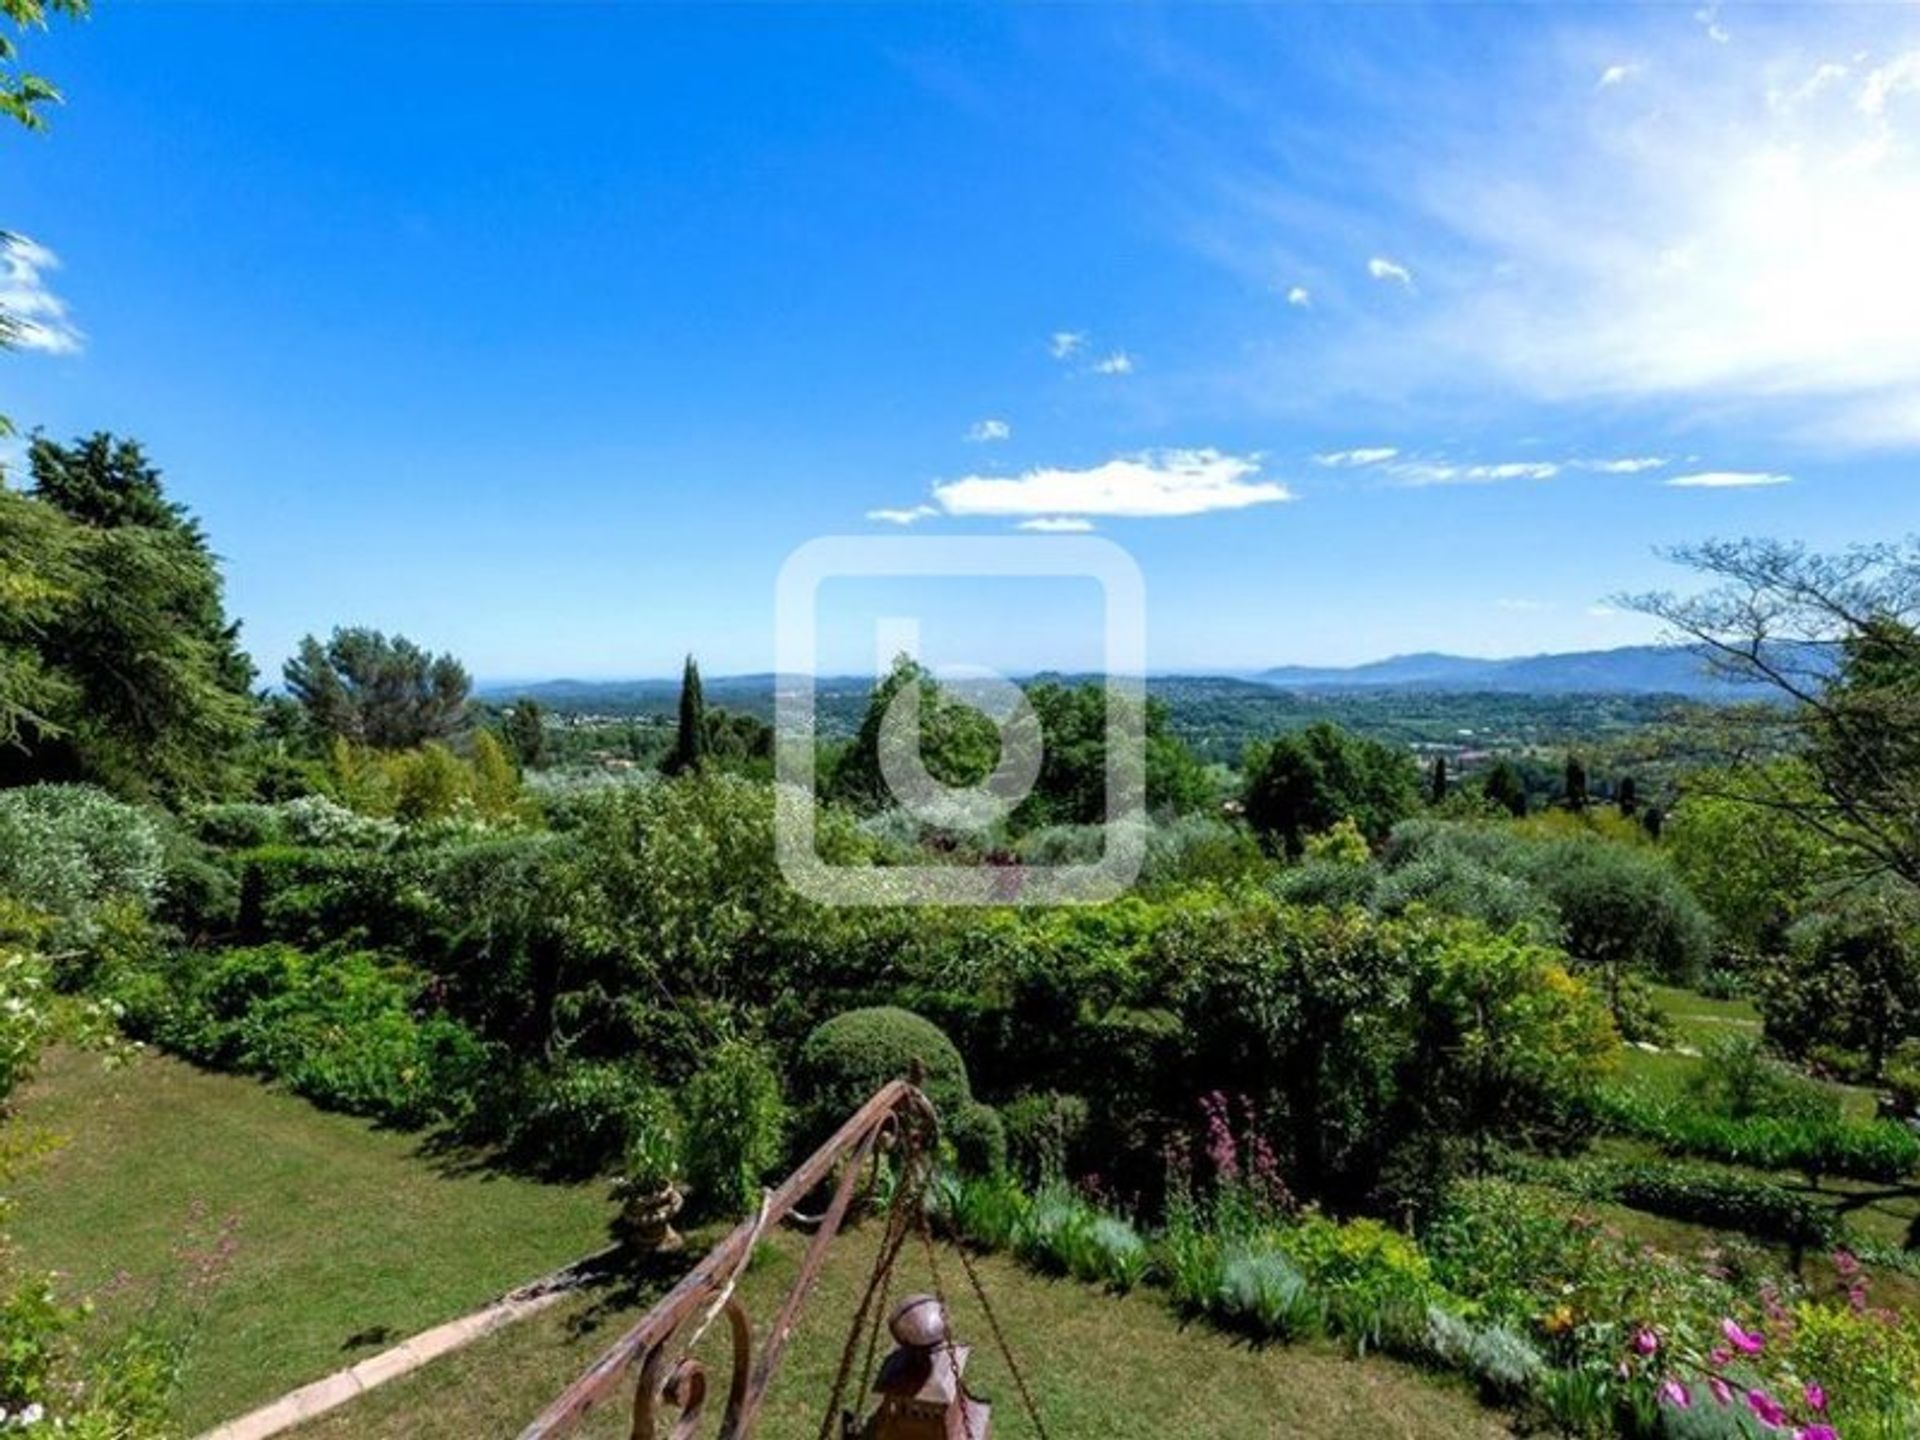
1862	1149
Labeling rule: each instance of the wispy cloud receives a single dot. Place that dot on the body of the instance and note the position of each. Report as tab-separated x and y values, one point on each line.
1154	483
1300	297
1381	268
1118	363
905	515
1732	225
1728	480
983	432
1065	344
1418	473
1057	524
1366	455
39	316
1625	465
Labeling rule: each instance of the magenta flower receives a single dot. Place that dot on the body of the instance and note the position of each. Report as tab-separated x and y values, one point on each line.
1721	1357
1645	1341
1747	1343
1817	1432
1766	1407
1673	1393
1722	1392
1816	1399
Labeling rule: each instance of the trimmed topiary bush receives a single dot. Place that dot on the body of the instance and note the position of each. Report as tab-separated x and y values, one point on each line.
1045	1134
979	1139
847	1059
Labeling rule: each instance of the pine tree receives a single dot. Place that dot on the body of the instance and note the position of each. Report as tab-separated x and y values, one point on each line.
1437	786
1627	797
690	741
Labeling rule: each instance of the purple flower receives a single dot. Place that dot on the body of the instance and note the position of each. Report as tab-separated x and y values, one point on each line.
1722	1392
1766	1407
1816	1399
1817	1432
1645	1342
1673	1393
1747	1343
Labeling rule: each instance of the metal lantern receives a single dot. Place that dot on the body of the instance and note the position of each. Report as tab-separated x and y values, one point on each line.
922	1385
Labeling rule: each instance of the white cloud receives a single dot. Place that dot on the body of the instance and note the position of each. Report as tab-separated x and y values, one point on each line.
1381	268
1625	465
1065	344
1057	525
1118	363
1154	483
1300	298
1728	480
908	515
984	431
39	315
1896	77
1419	473
1708	17
1615	75
1340	459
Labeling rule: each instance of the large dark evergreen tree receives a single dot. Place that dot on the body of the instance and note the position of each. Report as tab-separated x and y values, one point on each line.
1505	787
527	733
1305	784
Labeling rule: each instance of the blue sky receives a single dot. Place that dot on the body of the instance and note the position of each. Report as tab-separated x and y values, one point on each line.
545	333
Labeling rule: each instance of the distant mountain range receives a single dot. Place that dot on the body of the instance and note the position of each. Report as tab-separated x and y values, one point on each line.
1631	670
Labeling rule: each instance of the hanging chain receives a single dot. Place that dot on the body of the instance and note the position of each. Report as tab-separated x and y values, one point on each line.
993	1324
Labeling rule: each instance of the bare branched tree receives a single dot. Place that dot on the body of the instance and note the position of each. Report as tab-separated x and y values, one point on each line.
1833	636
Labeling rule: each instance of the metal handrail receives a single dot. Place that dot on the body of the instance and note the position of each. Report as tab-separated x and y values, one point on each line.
672	1382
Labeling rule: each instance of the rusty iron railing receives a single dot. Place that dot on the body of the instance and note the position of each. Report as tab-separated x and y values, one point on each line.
672	1383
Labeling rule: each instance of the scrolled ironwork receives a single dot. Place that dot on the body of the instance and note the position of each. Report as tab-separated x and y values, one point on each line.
672	1383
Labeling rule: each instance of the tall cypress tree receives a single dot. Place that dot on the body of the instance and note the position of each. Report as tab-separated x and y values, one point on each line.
1627	796
1437	786
1576	783
690	741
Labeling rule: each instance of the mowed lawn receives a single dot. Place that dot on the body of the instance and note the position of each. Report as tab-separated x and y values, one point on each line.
1101	1367
345	1238
349	1239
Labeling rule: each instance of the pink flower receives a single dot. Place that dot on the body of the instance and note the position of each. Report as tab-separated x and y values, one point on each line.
1845	1263
1816	1399
1747	1343
1817	1432
1646	1342
1766	1407
1673	1393
1722	1392
1721	1357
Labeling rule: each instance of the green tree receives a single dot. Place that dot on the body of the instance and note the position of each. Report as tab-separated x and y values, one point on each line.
1437	782
958	745
366	689
23	95
690	739
1755	867
1834	638
1505	788
527	733
116	661
1574	786
1627	796
1305	784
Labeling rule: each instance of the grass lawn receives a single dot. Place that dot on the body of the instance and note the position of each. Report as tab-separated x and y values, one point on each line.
350	1238
347	1238
1101	1366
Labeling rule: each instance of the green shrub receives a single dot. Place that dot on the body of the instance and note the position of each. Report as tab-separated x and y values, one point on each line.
1045	1135
578	1117
239	826
850	1057
1861	1149
1261	1291
978	1138
736	1126
1719	1198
